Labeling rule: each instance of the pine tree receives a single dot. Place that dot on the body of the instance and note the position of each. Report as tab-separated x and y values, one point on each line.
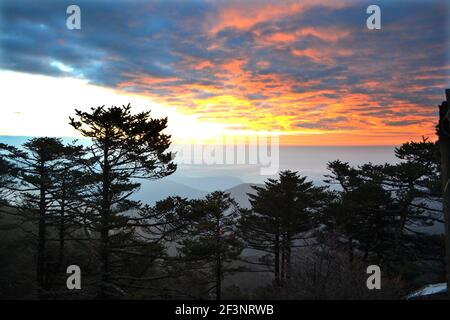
282	212
364	212
212	243
69	187
380	207
124	147
7	172
36	169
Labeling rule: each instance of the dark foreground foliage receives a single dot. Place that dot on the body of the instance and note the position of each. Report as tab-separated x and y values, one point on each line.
64	205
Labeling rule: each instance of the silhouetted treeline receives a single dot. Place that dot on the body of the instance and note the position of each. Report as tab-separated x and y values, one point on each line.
67	204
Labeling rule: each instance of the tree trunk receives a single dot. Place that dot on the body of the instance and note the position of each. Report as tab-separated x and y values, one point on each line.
350	251
104	228
62	231
277	259
40	267
444	145
218	262
288	257
218	278
283	260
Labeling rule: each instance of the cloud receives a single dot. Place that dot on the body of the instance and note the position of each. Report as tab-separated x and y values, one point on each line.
402	123
261	65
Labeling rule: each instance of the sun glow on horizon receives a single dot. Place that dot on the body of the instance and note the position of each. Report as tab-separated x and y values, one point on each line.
45	107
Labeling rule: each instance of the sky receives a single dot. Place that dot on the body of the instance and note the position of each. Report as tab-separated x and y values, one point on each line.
309	71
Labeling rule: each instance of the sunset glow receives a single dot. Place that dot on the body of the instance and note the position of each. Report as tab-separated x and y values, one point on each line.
309	71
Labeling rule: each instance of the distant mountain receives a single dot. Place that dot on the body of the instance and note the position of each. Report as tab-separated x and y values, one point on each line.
152	191
208	183
239	193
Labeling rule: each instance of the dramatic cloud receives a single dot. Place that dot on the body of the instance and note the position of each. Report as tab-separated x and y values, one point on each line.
305	68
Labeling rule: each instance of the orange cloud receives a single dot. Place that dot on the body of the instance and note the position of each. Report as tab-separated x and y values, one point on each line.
242	15
278	90
246	15
313	116
313	54
203	65
143	80
326	34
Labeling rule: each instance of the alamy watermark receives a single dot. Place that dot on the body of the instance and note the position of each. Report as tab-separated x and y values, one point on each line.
260	150
73	281
73	21
374	20
374	280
